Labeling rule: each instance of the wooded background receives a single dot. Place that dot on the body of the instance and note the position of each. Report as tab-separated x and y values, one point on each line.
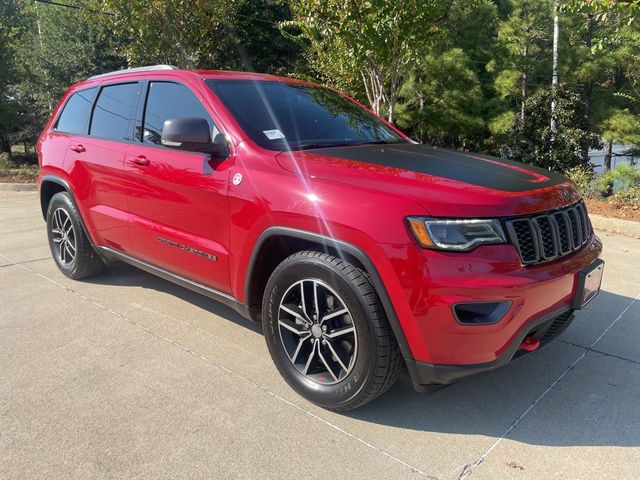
475	75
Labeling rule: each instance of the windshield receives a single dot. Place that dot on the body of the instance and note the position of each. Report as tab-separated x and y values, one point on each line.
283	116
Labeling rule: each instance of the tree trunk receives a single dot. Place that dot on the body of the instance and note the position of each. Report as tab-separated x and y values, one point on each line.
588	84
5	146
523	85
608	153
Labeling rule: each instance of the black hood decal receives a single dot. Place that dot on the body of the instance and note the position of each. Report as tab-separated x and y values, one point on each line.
475	169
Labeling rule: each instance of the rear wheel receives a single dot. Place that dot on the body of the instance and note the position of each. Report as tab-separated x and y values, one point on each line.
327	332
70	247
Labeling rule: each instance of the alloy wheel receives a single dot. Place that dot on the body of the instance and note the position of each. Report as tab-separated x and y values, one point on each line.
317	331
63	236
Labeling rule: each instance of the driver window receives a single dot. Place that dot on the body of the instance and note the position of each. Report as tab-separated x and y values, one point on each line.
170	100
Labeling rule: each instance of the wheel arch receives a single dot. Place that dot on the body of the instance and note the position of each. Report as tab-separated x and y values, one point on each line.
49	186
280	242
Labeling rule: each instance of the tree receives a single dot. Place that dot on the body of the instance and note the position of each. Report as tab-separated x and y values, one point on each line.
623	127
522	56
10	29
601	9
259	44
182	32
603	60
531	141
441	101
57	47
235	34
371	45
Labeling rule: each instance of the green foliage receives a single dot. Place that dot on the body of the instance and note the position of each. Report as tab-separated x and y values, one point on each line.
52	48
625	176
441	100
622	126
368	44
9	167
234	34
629	198
503	123
602	9
474	75
521	55
583	177
532	141
182	32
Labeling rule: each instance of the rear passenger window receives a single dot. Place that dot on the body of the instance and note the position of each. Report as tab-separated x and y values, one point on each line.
114	112
171	100
75	113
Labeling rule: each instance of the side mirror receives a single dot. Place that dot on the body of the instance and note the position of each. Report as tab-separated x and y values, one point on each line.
193	135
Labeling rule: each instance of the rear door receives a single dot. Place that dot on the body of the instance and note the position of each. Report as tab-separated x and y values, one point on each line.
73	121
96	163
179	214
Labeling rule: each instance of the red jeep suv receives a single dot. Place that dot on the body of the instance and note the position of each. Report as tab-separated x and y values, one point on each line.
358	249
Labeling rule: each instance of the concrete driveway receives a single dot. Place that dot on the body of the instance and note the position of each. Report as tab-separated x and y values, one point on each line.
129	376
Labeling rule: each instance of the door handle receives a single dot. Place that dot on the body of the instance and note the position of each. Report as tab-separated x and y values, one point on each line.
139	160
78	148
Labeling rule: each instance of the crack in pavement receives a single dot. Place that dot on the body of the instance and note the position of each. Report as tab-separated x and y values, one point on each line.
229	371
471	467
22	263
594	350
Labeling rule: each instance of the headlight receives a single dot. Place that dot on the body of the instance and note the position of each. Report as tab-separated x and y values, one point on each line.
459	235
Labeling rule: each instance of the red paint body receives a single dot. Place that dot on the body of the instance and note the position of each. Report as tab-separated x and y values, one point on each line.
192	201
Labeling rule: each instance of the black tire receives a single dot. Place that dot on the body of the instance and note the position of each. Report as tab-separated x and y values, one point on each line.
375	366
71	250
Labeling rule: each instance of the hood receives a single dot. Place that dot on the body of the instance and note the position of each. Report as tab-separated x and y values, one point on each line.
444	182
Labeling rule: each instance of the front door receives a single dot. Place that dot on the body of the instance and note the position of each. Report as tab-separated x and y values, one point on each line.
179	214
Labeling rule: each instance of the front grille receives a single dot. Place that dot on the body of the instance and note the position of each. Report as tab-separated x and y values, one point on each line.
550	235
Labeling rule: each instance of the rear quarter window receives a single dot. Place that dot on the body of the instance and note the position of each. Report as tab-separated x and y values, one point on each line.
75	113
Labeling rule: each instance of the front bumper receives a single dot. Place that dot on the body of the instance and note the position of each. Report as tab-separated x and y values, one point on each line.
544	329
432	282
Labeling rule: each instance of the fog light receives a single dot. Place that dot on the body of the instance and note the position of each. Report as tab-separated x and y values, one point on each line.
480	313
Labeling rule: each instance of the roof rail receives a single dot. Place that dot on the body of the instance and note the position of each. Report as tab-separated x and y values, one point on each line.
136	69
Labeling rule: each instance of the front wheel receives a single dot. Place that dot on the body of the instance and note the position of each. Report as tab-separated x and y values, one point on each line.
327	332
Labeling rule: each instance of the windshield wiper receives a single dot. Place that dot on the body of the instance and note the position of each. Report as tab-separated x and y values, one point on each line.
309	146
380	142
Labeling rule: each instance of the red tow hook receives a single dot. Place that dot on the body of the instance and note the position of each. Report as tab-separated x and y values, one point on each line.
530	344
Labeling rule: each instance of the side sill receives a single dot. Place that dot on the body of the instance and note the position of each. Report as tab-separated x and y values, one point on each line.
115	255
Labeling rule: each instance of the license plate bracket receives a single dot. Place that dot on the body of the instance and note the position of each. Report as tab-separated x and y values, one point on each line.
588	286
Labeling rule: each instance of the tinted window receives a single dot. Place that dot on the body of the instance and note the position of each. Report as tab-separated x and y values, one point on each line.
114	112
170	100
279	116
75	114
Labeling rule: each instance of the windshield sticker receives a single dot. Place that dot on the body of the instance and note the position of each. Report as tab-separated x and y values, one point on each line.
273	134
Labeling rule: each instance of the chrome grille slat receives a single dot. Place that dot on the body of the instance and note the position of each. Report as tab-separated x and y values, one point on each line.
550	235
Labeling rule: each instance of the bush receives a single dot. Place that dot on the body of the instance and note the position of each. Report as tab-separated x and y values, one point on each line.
10	168
583	177
603	185
627	176
4	160
627	198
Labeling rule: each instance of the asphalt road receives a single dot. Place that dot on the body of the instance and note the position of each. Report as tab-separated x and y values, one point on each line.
129	376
